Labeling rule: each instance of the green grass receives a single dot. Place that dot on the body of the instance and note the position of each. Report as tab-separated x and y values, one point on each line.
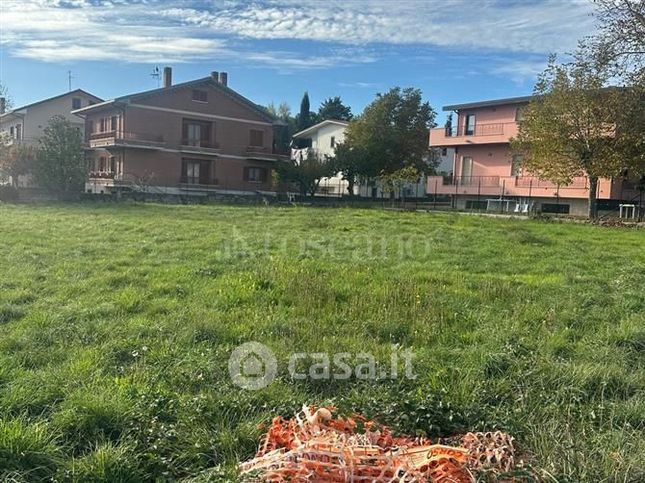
117	322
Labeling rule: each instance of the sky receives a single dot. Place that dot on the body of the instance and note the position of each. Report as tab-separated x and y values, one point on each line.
455	51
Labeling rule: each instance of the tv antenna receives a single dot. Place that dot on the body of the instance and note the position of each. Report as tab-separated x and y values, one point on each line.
156	74
69	80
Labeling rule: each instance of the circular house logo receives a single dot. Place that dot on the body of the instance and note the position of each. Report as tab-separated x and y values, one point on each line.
252	366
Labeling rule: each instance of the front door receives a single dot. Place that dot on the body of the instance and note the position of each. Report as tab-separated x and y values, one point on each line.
466	169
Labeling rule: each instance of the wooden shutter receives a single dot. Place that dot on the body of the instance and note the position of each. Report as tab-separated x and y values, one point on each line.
204	172
205	133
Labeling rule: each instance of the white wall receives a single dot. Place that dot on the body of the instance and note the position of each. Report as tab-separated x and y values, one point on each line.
36	118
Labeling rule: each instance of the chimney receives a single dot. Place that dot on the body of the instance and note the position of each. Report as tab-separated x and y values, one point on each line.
3	105
223	78
167	77
215	76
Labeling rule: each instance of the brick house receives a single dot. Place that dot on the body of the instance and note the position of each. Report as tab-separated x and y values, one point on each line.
190	138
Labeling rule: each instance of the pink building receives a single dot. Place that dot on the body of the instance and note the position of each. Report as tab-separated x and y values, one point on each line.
486	175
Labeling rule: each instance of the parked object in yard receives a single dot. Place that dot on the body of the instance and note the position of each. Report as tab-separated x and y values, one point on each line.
316	447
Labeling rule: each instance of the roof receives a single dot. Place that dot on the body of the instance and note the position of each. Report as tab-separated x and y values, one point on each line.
77	91
494	102
319	125
197	82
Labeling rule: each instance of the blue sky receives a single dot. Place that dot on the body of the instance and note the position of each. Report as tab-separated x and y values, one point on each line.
454	50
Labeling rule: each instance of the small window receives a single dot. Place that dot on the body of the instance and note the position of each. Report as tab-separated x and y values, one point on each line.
76	103
255	174
113	122
516	165
256	138
200	96
332	142
476	205
11	131
555	208
470	124
519	113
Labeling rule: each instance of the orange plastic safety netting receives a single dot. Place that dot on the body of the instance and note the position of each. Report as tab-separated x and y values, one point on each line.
316	447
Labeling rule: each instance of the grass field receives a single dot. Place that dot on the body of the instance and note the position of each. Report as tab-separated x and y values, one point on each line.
117	323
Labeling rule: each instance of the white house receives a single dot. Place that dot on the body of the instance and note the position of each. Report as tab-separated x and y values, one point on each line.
322	139
26	124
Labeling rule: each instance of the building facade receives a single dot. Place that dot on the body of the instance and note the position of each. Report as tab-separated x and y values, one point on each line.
487	175
322	140
25	125
193	138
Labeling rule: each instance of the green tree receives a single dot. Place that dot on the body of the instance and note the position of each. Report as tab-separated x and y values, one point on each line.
575	127
305	173
285	129
391	134
396	181
333	108
60	164
304	119
16	160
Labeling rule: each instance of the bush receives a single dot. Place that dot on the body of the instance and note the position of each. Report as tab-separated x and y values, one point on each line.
8	193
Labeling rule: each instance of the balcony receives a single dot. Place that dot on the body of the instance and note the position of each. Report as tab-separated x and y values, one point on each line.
483	133
199	147
504	186
125	139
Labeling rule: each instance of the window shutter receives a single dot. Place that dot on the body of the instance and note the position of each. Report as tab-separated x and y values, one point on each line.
263	174
204	172
205	133
246	174
184	132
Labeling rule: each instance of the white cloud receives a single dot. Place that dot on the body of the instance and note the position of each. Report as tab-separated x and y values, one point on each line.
181	31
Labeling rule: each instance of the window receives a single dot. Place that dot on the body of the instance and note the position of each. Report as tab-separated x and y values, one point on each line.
102	125
466	169
200	96
11	131
196	133
516	165
555	208
112	164
519	113
192	172
470	124
76	103
19	131
113	123
254	174
444	151
332	142
257	138
476	205
102	163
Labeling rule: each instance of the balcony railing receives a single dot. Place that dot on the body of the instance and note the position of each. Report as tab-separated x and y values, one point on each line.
124	138
484	129
101	175
511	181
